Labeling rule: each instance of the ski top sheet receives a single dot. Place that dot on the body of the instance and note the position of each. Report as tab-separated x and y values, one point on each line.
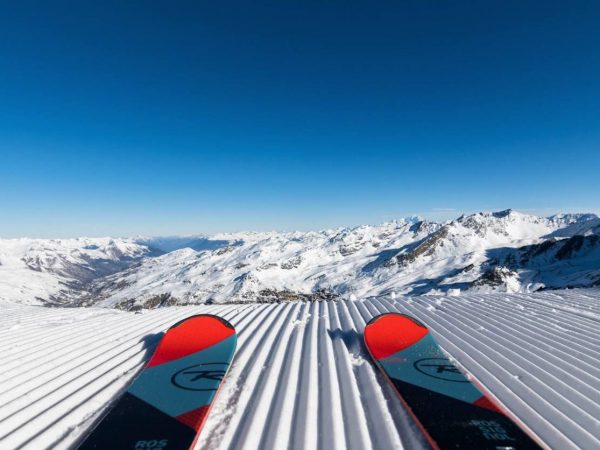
166	405
450	411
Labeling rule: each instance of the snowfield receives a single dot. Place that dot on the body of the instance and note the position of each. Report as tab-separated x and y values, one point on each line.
35	271
301	377
503	251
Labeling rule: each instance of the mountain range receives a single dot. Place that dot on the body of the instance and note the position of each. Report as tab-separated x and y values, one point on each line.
499	251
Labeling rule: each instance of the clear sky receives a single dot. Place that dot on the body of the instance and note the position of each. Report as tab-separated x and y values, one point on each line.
123	118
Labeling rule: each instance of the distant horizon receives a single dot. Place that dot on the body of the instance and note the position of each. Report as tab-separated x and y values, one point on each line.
208	234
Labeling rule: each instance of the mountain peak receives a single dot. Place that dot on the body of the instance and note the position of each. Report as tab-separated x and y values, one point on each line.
409	255
502	214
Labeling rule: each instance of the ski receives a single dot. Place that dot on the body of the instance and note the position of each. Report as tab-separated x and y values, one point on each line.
450	411
166	405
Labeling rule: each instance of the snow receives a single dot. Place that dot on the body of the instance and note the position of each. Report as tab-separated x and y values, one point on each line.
34	270
301	378
487	252
407	256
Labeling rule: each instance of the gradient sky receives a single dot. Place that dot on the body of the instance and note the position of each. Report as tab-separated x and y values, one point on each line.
125	118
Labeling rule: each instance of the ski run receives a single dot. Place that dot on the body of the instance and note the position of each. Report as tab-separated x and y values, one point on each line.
301	377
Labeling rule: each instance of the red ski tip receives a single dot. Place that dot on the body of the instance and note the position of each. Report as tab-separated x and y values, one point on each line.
383	338
189	336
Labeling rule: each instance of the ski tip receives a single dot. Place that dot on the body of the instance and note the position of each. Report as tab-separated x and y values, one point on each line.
391	333
393	314
191	335
220	319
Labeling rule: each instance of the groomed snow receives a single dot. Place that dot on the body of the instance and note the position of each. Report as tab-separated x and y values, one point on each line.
301	378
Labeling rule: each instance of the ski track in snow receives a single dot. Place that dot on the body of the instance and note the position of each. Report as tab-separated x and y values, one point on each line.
301	377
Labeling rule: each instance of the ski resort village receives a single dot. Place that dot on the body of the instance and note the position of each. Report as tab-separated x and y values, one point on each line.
512	300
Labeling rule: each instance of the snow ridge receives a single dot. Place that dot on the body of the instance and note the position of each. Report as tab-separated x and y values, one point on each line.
503	251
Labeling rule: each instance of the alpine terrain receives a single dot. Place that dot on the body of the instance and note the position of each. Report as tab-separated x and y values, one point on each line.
504	251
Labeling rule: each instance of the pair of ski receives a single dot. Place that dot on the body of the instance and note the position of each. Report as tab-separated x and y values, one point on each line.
167	404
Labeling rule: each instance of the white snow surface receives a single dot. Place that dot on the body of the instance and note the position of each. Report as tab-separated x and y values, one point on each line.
301	378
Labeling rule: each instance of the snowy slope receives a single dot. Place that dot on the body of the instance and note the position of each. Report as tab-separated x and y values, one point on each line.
301	378
35	271
556	263
403	257
261	265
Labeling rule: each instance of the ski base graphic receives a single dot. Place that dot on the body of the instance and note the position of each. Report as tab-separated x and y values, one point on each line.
167	404
449	409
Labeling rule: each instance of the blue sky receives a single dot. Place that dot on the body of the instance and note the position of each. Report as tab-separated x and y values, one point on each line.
191	117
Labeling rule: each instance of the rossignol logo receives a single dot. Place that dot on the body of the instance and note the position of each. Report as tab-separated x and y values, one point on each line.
194	378
154	444
440	368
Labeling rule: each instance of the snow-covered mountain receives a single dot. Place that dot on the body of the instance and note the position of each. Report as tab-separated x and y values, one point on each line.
57	271
501	251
